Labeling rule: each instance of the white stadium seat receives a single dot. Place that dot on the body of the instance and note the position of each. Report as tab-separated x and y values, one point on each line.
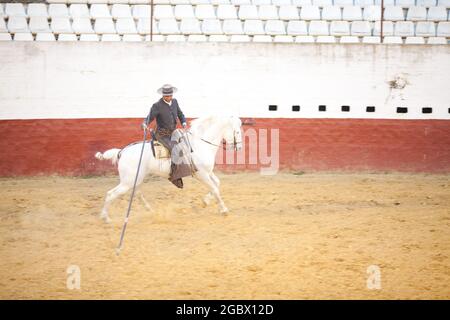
45	37
61	25
2	12
268	12
349	39
288	12
3	28
326	39
232	26
372	13
437	14
283	39
131	38
393	13
104	25
414	40
310	13
219	2
37	10
426	3
252	27
239	38
198	2
100	11
226	12
141	11
301	3
240	2
82	25
261	2
248	12
304	39
184	11
275	27
143	26
322	3
155	38
443	29
23	36
89	37
404	29
283	2
163	12
110	38
79	11
17	24
364	3
126	26
190	26
218	38
15	10
371	40
351	13
342	3
262	38
205	11
175	2
318	28
168	26
416	14
393	40
437	40
39	24
331	13
58	10
211	26
67	37
297	28
388	28
444	3
120	11
339	28
360	28
405	3
426	29
197	38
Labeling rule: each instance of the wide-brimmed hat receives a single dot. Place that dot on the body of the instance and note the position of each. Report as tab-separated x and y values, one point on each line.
167	90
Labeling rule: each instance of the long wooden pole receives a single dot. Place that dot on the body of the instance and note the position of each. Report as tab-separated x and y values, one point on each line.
151	20
382	18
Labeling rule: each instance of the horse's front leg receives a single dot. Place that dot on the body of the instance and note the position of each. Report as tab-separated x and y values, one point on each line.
213	190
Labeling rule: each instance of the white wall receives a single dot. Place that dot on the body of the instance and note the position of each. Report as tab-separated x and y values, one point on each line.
97	80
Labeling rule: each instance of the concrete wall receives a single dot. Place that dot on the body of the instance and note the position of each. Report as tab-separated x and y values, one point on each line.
118	80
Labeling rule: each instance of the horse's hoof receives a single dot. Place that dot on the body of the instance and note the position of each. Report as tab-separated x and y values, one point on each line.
205	203
106	219
224	211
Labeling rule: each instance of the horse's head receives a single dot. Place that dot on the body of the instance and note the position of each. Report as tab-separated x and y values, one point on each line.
233	134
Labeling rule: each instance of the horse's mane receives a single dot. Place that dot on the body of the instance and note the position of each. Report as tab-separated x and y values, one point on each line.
202	123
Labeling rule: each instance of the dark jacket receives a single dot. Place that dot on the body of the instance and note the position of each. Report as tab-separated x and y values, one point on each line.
166	116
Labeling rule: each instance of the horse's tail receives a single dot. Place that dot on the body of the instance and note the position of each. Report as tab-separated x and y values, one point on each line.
111	154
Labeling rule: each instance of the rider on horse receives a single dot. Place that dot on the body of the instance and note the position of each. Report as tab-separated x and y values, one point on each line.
166	111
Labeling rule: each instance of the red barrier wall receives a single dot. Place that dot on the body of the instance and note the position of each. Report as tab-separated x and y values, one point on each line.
67	146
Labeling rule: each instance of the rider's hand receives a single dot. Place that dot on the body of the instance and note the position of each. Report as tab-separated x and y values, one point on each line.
144	126
184	125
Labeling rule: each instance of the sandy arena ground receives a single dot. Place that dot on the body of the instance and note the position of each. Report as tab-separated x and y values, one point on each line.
289	236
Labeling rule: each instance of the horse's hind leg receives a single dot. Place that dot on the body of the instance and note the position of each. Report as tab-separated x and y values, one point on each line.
146	204
111	195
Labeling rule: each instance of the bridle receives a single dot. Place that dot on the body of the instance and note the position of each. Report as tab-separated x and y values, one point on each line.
224	143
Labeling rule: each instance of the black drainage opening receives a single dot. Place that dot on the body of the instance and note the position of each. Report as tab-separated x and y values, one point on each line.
273	107
370	109
402	110
345	108
295	108
322	107
427	110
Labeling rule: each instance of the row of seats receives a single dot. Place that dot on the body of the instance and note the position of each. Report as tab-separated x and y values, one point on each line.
231	26
263	12
403	3
221	38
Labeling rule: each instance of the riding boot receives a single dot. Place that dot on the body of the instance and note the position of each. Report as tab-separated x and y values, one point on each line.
169	144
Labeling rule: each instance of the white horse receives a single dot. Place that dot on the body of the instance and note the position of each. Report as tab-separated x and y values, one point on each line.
205	136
